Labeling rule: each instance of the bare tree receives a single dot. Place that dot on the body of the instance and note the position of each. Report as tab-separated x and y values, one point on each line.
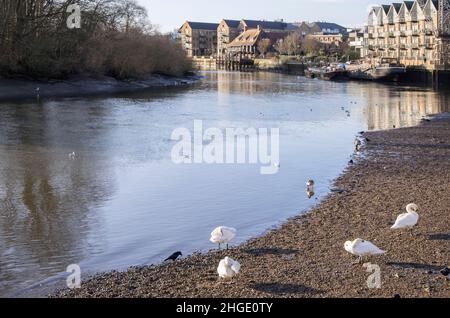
264	46
115	38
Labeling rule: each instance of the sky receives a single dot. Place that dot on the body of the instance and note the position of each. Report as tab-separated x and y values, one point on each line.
171	14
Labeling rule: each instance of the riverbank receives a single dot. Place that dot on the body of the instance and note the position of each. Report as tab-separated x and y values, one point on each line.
77	86
305	257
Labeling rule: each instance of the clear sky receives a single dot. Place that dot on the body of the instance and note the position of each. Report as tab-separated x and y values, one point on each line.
171	14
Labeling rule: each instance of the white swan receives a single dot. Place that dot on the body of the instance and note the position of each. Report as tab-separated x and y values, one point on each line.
223	235
72	156
228	268
362	248
407	220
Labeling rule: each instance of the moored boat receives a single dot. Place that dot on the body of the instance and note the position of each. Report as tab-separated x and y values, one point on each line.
327	73
386	70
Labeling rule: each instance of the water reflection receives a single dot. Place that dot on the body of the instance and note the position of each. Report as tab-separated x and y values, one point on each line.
402	108
122	202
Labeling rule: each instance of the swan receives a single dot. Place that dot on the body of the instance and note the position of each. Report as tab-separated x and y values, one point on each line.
223	235
407	220
361	248
228	268
72	155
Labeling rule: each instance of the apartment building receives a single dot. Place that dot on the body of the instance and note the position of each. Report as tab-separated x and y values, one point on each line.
227	31
358	42
414	32
199	38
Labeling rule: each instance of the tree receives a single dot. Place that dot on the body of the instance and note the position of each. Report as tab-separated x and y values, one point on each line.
115	38
293	44
290	45
264	46
311	46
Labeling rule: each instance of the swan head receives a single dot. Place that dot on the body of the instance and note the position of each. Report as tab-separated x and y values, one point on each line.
412	208
348	246
228	261
310	183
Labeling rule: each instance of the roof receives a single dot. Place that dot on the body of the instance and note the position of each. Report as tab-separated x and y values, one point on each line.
397	7
249	37
268	25
329	25
386	8
232	23
203	26
409	4
436	4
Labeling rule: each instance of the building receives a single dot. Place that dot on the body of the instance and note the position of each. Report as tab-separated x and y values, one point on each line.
267	26
245	46
416	33
357	41
327	39
306	28
199	38
230	30
227	31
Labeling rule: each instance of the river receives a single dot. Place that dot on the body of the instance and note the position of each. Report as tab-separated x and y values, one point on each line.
121	201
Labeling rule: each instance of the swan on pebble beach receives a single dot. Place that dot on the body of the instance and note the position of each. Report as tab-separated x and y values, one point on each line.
361	248
223	235
228	268
407	220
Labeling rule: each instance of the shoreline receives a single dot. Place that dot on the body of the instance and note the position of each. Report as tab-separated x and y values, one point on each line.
84	86
305	258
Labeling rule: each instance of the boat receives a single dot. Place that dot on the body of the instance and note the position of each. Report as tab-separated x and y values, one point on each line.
387	70
327	73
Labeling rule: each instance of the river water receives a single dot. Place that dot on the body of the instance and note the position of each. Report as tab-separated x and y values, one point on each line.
121	200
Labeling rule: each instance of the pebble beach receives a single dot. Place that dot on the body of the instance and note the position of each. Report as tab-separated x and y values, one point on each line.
305	257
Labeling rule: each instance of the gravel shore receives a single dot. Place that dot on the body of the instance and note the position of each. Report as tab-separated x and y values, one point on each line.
305	257
77	86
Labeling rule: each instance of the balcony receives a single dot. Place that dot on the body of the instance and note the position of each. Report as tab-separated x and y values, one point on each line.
414	46
356	43
415	33
392	34
429	46
403	34
403	47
